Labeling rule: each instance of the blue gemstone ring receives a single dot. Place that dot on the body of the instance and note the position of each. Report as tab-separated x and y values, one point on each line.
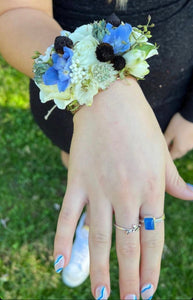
150	222
128	230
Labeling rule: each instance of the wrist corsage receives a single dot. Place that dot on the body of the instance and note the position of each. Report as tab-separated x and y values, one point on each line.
80	64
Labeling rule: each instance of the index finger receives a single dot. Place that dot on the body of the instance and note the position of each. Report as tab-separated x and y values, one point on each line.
72	206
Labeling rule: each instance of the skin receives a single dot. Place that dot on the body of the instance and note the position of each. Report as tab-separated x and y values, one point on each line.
179	136
119	161
30	26
131	170
179	139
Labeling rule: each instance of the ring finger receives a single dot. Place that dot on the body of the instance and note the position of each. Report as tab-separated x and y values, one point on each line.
152	241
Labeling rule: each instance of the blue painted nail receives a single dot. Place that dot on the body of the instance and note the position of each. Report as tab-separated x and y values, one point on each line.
59	263
190	186
101	293
147	292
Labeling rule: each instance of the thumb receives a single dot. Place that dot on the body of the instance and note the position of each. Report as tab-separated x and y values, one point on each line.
175	185
174	151
169	134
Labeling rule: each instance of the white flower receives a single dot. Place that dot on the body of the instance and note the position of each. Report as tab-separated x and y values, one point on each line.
78	72
136	64
45	58
84	93
85	51
139	70
104	74
65	33
50	92
134	56
149	49
152	52
80	33
61	104
137	36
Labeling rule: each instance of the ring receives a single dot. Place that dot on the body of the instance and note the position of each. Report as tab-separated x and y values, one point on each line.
150	222
128	230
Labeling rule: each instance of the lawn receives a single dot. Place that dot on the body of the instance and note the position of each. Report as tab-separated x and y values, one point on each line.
33	181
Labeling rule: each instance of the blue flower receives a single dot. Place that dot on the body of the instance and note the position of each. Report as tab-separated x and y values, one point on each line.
118	37
59	73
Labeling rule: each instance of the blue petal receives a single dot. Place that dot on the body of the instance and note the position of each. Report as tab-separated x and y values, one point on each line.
68	53
119	37
55	57
63	75
107	38
59	64
50	76
109	26
62	85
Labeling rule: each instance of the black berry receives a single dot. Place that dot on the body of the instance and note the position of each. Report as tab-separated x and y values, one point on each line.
114	20
62	41
104	52
118	62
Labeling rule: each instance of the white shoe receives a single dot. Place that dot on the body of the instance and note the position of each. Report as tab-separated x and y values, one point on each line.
76	272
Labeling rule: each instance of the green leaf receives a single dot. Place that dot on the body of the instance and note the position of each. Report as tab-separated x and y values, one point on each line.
145	47
36	54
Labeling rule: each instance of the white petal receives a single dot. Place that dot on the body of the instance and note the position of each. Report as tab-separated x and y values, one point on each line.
135	35
134	56
61	104
81	32
139	70
152	53
65	33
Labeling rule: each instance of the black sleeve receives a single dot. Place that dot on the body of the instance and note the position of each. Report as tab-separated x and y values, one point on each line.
187	108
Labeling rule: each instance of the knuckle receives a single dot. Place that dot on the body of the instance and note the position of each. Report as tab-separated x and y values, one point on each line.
152	188
153	273
181	149
97	270
128	249
154	244
176	179
131	280
151	183
67	216
99	238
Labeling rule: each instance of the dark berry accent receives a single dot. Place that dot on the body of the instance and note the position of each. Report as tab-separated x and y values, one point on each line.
118	62
62	41
104	52
114	20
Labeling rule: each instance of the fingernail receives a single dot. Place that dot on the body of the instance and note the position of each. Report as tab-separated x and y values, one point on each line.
101	293
59	263
190	186
147	292
130	297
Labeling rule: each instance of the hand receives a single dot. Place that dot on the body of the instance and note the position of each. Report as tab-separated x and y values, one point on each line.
179	136
118	161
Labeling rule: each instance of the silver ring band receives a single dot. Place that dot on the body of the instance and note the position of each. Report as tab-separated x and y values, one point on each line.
134	228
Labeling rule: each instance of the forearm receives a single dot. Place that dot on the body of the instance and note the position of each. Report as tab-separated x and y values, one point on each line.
23	31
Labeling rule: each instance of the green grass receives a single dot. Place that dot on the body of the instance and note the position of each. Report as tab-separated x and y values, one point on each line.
32	180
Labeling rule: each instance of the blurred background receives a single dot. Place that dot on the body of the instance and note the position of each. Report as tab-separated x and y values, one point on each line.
32	186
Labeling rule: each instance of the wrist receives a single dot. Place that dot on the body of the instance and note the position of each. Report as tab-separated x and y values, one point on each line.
120	97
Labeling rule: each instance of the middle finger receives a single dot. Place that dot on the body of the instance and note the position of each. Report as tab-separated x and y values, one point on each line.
128	252
99	244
